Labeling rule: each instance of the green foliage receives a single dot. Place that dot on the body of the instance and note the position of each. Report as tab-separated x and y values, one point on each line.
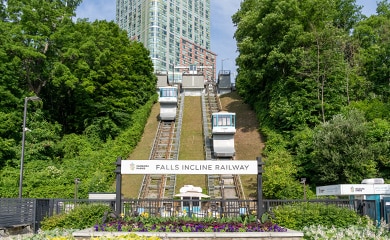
284	186
299	66
379	137
97	81
279	162
275	141
96	86
310	232
94	159
351	232
295	60
341	151
372	108
43	138
373	35
346	149
82	216
146	223
300	215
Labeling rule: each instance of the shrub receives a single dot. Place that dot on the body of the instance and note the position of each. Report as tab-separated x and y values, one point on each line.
352	232
82	216
300	215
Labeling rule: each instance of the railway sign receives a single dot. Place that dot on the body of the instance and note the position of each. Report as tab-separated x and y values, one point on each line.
188	167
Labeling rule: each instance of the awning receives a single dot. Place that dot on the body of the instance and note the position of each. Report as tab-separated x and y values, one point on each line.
192	194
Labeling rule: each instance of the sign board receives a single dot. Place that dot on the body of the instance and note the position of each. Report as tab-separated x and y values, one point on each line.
353	189
102	196
188	167
382	188
328	190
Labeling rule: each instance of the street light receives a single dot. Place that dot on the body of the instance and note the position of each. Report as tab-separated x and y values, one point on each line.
223	61
303	181
76	188
222	189
24	129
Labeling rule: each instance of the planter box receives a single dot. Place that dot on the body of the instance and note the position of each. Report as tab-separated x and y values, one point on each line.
289	235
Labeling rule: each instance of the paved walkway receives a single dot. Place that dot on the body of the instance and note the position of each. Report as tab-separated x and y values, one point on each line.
15	237
16	234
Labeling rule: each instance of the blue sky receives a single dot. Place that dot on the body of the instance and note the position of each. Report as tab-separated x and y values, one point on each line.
222	29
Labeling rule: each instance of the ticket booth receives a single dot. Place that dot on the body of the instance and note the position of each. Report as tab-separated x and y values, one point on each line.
191	196
373	193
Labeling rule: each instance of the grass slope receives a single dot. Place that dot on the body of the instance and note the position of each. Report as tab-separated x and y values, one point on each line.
247	140
191	141
132	183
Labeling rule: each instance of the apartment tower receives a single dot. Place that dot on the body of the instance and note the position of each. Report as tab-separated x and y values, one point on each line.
176	32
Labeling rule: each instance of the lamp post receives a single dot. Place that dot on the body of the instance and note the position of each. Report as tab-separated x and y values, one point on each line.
303	181
76	189
222	188
24	129
223	61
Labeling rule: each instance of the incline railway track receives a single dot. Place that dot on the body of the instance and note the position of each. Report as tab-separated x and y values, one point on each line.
219	186
165	147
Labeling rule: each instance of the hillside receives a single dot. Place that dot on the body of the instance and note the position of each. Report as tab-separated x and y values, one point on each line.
248	142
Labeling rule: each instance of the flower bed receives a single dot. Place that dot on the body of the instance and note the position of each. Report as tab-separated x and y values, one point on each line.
144	223
188	226
243	227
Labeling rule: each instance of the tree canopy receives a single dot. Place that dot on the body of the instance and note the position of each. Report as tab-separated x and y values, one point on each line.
317	72
94	84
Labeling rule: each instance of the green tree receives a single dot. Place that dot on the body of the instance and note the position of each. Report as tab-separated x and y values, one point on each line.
285	185
25	53
280	177
292	59
96	86
300	67
33	23
10	125
341	151
374	37
100	79
379	136
43	138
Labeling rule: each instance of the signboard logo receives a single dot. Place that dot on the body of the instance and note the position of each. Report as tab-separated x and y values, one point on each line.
132	166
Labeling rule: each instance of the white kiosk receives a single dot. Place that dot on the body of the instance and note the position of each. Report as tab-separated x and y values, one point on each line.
191	193
370	189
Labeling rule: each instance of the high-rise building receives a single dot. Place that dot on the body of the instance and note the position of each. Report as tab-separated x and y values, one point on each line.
176	32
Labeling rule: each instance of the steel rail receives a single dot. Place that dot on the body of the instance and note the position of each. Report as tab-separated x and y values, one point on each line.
165	147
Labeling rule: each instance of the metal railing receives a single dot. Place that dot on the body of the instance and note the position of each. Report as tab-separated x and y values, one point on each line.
30	212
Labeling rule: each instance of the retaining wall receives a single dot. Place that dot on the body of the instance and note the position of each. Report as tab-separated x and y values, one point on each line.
289	235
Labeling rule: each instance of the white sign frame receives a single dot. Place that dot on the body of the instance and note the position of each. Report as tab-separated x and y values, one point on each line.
353	189
189	167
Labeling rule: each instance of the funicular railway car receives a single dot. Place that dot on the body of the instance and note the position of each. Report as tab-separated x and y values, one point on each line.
168	100
223	131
